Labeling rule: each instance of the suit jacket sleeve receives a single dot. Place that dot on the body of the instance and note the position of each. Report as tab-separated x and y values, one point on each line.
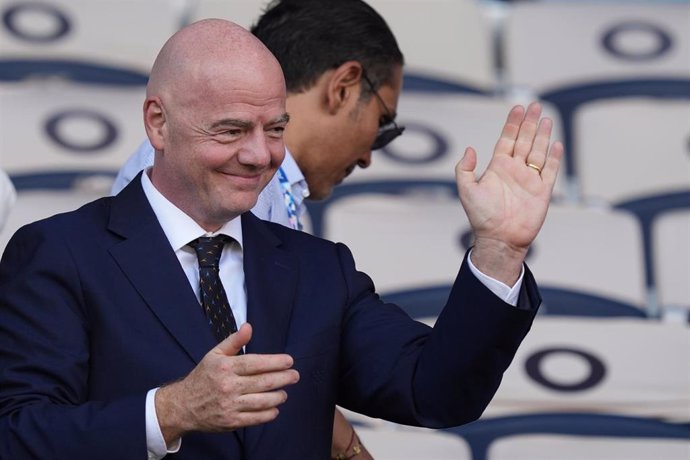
46	410
439	377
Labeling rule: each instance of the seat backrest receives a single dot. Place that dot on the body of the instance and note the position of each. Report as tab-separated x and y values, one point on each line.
438	128
59	127
486	436
242	12
401	241
626	366
33	205
118	34
403	442
554	44
594	250
571	447
617	156
453	41
671	249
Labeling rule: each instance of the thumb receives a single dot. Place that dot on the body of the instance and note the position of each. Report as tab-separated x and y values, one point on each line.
234	343
464	170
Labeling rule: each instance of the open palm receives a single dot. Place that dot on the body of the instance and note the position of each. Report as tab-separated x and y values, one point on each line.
507	205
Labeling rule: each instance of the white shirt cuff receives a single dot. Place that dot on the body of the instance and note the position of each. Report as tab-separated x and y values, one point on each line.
504	292
155	442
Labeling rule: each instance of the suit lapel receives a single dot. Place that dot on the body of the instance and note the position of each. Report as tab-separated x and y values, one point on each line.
271	280
149	262
270	276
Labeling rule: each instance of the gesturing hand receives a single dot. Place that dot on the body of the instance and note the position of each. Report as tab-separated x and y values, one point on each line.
507	205
225	391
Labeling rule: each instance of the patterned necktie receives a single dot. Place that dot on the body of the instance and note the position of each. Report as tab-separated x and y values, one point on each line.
213	298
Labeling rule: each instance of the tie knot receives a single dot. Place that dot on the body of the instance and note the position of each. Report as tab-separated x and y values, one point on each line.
209	249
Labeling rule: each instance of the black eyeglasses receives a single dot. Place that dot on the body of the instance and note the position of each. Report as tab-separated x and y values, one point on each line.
388	130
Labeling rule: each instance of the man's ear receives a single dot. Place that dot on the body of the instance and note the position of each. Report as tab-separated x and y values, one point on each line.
154	122
344	85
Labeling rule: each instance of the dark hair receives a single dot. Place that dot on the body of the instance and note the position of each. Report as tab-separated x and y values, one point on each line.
310	37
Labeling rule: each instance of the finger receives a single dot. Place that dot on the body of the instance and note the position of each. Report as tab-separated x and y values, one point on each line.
255	402
527	131
251	418
506	142
552	165
265	382
248	365
464	170
232	345
540	147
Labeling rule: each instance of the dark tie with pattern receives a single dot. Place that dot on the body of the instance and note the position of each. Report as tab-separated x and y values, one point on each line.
213	298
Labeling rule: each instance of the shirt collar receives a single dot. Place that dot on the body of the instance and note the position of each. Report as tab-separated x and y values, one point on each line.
178	227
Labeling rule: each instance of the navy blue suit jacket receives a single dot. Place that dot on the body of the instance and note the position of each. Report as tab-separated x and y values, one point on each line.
95	310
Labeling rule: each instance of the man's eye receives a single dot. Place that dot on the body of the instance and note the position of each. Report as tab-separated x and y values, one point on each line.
385	120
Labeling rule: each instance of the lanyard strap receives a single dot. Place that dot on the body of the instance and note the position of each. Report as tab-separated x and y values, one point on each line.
289	200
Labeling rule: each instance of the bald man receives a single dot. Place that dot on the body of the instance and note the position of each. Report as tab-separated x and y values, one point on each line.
106	351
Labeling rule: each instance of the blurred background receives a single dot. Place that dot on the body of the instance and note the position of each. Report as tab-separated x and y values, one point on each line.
605	371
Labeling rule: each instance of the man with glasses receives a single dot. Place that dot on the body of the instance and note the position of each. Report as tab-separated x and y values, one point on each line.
343	72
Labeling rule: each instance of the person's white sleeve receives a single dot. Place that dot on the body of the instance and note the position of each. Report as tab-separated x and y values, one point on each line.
155	443
504	292
139	160
7	197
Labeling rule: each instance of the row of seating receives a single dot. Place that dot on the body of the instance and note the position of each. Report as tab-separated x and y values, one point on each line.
469	43
611	156
567	436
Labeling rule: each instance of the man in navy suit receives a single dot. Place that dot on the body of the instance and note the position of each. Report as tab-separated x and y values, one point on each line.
106	353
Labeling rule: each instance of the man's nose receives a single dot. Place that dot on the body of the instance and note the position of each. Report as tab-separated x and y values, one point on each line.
256	151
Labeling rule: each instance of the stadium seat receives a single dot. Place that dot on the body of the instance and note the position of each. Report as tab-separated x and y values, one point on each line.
242	12
671	243
110	41
550	45
598	251
452	43
35	204
411	239
63	128
572	436
438	128
618	159
627	366
570	99
649	210
409	443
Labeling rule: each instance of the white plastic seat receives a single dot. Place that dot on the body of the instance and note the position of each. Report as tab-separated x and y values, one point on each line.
598	251
50	127
410	443
401	241
671	246
447	39
542	447
550	45
438	129
625	366
33	205
242	12
124	34
618	158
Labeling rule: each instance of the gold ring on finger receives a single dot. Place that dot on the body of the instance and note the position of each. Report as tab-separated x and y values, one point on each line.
535	167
